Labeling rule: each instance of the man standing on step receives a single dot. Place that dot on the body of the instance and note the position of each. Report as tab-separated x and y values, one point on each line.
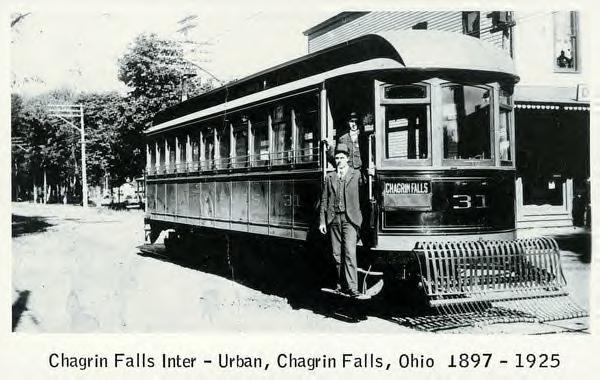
340	213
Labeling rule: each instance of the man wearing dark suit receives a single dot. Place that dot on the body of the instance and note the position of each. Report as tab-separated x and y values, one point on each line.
340	213
353	140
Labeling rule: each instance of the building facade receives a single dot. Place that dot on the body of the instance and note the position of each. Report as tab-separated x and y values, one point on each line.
551	101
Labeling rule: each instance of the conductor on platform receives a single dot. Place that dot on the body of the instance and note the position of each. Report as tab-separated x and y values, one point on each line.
340	213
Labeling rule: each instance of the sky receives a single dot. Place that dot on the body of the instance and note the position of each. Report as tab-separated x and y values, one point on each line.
79	48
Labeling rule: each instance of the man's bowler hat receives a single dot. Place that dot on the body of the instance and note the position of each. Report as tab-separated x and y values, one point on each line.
342	148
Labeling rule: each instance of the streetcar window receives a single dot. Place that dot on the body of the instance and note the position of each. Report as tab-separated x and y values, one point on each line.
282	135
161	156
181	150
406	131
504	131
208	142
306	117
240	142
405	92
172	153
406	110
152	151
504	128
260	140
195	147
224	147
466	122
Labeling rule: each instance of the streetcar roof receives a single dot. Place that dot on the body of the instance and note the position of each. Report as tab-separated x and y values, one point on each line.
421	50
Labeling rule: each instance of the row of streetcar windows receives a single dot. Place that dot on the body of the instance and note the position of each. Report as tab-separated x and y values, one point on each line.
287	132
280	133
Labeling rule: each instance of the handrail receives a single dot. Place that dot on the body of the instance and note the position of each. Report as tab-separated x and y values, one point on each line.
256	160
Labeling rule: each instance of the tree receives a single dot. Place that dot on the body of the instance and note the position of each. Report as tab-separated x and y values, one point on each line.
153	69
47	145
102	114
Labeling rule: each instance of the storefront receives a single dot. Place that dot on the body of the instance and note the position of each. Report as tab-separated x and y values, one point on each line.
552	127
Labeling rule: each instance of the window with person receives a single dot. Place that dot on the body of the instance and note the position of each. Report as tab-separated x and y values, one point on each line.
306	118
260	139
504	130
240	141
565	41
223	139
282	134
406	122
470	23
208	142
466	122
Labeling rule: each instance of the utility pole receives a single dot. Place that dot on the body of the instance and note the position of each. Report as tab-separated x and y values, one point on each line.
70	111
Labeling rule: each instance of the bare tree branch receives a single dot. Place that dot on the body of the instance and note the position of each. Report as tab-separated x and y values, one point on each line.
18	17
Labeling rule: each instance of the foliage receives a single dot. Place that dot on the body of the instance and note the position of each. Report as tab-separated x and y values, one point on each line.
152	68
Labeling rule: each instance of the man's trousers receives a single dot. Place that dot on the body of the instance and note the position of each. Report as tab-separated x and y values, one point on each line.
343	242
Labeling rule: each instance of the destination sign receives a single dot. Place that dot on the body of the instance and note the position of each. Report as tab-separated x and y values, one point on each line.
407	187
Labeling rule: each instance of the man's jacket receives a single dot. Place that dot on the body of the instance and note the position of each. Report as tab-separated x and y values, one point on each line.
353	178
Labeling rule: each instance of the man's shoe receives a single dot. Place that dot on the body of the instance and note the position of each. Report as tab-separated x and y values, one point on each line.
357	295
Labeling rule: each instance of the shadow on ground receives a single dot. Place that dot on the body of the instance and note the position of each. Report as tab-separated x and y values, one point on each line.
294	273
579	243
28	224
19	307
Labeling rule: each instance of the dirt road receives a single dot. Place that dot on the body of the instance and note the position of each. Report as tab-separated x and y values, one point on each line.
77	270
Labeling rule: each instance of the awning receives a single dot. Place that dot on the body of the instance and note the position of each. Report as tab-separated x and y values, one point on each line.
552	98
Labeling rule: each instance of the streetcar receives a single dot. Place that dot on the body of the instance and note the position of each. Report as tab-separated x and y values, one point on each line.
437	130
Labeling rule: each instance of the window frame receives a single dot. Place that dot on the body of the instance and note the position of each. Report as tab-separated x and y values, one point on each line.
299	112
281	157
453	162
208	132
263	124
240	123
509	107
574	37
427	102
465	24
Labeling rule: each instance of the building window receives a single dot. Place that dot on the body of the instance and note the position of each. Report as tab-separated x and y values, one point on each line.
470	21
565	41
420	26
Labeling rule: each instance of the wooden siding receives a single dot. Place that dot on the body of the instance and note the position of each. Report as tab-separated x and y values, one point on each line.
374	22
277	207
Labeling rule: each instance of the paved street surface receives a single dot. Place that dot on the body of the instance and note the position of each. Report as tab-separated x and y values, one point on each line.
77	270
